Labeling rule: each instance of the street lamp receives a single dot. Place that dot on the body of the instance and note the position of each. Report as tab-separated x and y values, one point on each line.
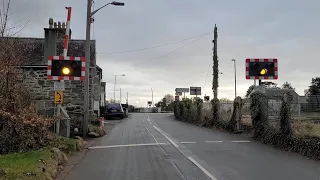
120	95
88	60
152	96
235	78
115	82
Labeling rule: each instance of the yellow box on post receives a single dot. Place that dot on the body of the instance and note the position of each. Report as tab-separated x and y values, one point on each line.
58	97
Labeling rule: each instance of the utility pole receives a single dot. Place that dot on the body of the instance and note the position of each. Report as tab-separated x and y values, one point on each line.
120	95
215	67
152	96
235	78
114	88
127	97
88	61
86	81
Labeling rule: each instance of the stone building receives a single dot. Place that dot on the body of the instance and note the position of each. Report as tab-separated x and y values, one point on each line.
34	73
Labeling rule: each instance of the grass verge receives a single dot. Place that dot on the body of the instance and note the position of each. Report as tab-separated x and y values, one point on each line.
41	164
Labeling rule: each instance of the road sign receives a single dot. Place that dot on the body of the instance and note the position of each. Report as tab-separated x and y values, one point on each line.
182	90
195	90
59	86
58	97
149	102
261	68
206	98
66	68
178	93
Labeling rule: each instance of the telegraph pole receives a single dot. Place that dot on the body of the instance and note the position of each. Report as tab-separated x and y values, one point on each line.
215	66
127	97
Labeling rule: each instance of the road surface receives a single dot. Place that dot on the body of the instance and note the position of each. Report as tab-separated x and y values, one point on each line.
157	147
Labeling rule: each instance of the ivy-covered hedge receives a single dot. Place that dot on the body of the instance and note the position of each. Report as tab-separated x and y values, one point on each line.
306	145
281	137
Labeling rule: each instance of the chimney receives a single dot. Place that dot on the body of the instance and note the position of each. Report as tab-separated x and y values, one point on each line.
50	40
61	30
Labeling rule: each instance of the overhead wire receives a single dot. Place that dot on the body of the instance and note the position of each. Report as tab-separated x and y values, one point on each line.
207	74
157	46
170	52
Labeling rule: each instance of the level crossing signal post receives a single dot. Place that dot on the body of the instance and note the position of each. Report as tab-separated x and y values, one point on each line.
262	68
60	69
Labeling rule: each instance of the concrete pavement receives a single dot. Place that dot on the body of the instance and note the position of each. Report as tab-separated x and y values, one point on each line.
154	146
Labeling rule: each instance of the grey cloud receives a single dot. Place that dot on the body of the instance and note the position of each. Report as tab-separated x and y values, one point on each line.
282	29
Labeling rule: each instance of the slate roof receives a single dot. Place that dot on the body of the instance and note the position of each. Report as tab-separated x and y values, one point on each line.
33	49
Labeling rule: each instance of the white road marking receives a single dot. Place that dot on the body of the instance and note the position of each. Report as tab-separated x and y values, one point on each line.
173	143
202	168
190	158
213	141
126	145
188	142
240	141
151	134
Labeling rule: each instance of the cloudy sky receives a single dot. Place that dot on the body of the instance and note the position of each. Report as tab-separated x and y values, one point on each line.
286	29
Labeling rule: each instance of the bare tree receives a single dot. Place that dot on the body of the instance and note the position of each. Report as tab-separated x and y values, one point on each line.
12	95
7	29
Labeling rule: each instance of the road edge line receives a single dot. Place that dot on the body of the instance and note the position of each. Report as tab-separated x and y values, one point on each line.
202	168
207	173
125	145
172	142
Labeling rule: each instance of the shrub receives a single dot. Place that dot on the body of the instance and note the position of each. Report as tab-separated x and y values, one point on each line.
308	146
186	110
259	113
235	124
285	115
23	132
199	104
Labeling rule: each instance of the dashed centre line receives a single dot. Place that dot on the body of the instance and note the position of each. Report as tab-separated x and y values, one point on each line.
213	141
188	142
245	141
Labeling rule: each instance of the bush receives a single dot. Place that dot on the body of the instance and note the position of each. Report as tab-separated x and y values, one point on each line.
23	132
259	113
285	115
185	110
308	146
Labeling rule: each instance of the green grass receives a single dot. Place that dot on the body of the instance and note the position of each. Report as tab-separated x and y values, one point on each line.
17	165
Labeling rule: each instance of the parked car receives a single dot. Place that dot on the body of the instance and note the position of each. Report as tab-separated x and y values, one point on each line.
114	110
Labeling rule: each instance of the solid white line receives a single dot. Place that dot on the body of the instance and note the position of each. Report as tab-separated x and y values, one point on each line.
202	168
190	158
213	141
126	145
151	134
240	141
173	143
188	142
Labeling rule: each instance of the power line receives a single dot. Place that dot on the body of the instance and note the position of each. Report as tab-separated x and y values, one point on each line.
166	54
156	46
208	70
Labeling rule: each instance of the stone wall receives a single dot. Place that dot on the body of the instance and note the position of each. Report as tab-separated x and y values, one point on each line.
35	80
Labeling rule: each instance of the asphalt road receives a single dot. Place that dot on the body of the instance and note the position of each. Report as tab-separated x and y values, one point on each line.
156	147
